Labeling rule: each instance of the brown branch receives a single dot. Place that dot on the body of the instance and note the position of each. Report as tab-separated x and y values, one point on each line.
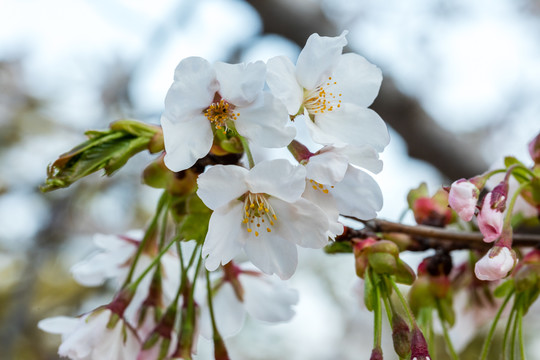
437	237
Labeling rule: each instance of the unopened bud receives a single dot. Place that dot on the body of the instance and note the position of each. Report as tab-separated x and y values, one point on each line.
534	149
384	246
376	354
382	263
526	277
401	335
419	348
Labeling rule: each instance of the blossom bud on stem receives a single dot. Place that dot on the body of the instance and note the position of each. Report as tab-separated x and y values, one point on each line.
376	354
419	348
401	335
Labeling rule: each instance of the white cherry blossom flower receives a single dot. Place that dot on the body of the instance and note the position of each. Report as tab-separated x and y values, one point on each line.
243	290
463	197
339	187
90	338
496	264
113	262
262	212
333	90
205	98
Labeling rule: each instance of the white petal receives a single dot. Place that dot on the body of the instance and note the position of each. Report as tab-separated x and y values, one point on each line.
272	254
277	178
363	156
357	80
317	59
265	122
281	80
358	195
352	125
99	267
193	90
327	203
221	184
240	84
224	238
229	311
301	222
267	299
59	324
186	142
327	167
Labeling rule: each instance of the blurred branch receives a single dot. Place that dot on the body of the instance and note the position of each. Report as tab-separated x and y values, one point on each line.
453	156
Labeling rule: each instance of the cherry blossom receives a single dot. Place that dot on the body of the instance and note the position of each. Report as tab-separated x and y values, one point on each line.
491	216
94	336
262	212
463	197
339	187
333	90
495	264
206	98
243	290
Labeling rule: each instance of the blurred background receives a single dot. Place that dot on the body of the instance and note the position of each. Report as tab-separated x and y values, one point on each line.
461	89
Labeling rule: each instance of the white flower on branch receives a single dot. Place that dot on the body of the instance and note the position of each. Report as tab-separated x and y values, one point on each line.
262	212
95	336
243	290
339	187
333	90
496	264
205	98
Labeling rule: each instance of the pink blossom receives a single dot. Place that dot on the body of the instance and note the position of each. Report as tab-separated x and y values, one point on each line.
463	197
495	264
490	219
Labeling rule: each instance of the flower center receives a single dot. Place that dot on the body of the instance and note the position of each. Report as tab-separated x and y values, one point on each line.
258	213
322	99
219	113
318	186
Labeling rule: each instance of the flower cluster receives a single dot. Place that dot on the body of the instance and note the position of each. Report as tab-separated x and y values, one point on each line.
273	205
228	205
496	210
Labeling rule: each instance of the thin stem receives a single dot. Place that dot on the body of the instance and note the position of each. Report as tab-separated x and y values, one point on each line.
247	150
489	338
377	311
152	264
520	332
163	230
161	203
507	330
403	302
210	304
514	333
510	206
389	308
446	336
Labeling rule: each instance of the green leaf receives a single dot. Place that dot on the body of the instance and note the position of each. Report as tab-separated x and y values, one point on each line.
404	273
338	247
446	311
108	150
520	173
369	293
504	289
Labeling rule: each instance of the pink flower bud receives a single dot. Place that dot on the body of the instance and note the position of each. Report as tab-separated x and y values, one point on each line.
463	197
491	218
495	264
534	149
419	348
